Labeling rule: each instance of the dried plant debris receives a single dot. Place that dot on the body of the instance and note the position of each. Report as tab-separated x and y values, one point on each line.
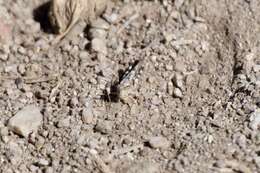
64	14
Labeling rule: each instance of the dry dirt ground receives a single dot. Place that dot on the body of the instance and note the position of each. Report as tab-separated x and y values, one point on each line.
191	104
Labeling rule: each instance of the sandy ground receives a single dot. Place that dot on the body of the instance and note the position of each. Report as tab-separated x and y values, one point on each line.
191	103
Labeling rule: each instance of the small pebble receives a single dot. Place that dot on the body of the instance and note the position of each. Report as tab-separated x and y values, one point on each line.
64	122
92	143
48	170
241	141
74	102
22	50
21	69
180	66
99	45
169	67
170	87
178	81
104	127
4	57
3	131
169	37
177	93
26	121
254	120
83	55
43	162
97	33
33	168
5	49
100	24
257	138
111	18
11	68
159	142
5	139
210	139
204	82
87	115
154	58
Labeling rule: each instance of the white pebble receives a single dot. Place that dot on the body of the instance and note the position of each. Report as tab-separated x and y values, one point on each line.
170	87
210	139
3	131
87	115
111	18
99	45
180	66
255	120
178	81
100	24
26	121
177	93
97	33
159	142
43	162
22	50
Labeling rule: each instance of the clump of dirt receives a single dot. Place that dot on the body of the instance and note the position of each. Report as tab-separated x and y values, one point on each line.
185	75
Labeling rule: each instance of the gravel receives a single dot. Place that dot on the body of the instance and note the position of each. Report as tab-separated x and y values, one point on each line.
196	97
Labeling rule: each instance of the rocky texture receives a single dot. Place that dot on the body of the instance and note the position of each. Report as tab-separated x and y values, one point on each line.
206	51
